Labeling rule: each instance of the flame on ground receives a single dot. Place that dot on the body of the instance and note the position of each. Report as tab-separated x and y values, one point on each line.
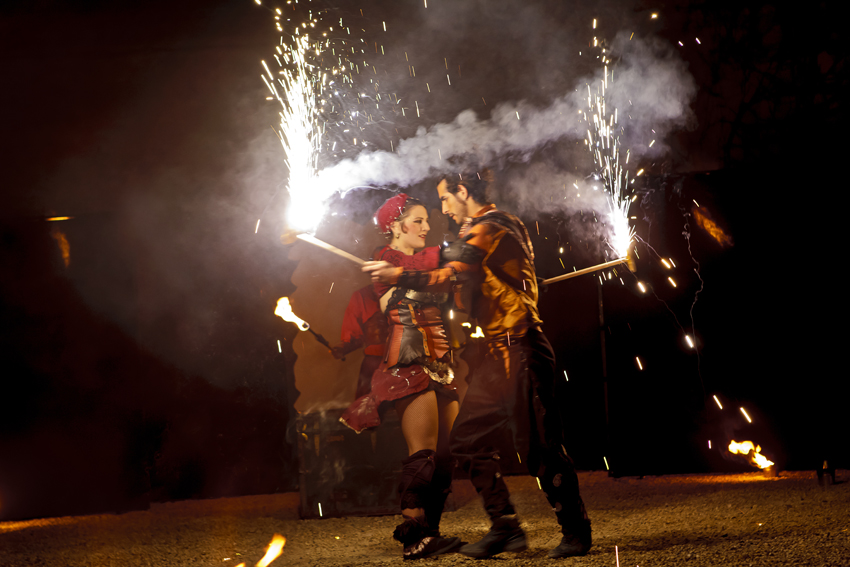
753	452
284	311
272	553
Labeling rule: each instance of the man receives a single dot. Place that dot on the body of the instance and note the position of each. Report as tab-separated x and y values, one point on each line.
491	269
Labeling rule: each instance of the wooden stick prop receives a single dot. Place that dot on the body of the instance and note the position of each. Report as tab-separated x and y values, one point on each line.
587	270
290	236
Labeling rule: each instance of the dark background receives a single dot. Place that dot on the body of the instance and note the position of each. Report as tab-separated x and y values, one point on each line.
147	367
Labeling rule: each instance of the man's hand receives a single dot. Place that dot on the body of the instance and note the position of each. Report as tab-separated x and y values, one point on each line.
381	271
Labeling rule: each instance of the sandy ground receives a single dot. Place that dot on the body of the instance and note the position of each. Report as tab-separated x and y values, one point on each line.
693	520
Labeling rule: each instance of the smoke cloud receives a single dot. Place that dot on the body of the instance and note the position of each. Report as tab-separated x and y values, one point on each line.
649	84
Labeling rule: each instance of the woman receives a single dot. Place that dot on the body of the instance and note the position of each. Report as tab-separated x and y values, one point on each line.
415	376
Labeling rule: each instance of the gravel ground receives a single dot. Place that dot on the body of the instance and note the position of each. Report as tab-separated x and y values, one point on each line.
693	520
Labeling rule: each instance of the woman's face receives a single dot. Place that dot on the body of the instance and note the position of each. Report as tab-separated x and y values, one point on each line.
413	229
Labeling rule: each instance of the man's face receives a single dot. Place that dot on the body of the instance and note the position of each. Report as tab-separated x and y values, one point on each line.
453	205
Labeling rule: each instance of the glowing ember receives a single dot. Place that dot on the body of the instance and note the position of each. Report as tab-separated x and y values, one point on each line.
704	220
717	401
753	453
284	311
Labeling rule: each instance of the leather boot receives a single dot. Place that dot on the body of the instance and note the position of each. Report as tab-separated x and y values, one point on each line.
575	541
419	540
504	535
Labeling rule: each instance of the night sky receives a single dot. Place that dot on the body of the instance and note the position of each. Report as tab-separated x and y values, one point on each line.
144	365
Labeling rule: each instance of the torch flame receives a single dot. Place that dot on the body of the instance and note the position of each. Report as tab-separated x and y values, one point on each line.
284	311
274	551
753	452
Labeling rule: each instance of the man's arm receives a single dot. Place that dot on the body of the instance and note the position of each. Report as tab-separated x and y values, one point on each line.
464	255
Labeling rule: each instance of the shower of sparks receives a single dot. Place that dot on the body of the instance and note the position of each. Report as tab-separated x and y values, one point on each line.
299	135
603	142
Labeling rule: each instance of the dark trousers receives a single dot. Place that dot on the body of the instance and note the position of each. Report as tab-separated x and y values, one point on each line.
517	398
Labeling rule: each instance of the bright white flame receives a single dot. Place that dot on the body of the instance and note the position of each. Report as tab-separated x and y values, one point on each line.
300	138
478	334
284	311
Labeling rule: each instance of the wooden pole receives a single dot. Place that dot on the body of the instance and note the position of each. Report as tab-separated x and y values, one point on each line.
330	248
586	271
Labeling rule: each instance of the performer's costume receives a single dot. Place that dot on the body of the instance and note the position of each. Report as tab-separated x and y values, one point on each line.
364	326
491	269
416	354
416	359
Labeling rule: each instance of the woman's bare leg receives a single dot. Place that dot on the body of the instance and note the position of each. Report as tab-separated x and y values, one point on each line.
420	425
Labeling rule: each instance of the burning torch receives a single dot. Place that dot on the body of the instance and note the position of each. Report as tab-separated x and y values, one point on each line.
284	311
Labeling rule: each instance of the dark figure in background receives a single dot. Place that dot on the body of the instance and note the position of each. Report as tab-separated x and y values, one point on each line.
415	376
363	326
491	268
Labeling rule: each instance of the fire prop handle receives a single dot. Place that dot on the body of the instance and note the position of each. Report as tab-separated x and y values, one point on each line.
330	248
586	270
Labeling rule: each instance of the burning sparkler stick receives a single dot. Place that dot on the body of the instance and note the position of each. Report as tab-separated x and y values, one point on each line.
587	270
290	236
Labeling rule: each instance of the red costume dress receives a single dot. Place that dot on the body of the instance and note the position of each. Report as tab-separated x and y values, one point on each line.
364	326
417	355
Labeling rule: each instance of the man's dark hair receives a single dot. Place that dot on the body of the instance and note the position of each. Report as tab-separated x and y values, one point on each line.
477	184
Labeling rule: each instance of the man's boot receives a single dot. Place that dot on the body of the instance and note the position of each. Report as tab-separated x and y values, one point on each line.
504	535
575	541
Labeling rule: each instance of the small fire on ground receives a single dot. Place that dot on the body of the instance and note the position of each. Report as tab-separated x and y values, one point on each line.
272	553
752	452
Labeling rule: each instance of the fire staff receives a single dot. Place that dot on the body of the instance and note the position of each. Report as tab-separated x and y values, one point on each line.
491	269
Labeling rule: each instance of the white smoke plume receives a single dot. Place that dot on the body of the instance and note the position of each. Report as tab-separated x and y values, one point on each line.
651	87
